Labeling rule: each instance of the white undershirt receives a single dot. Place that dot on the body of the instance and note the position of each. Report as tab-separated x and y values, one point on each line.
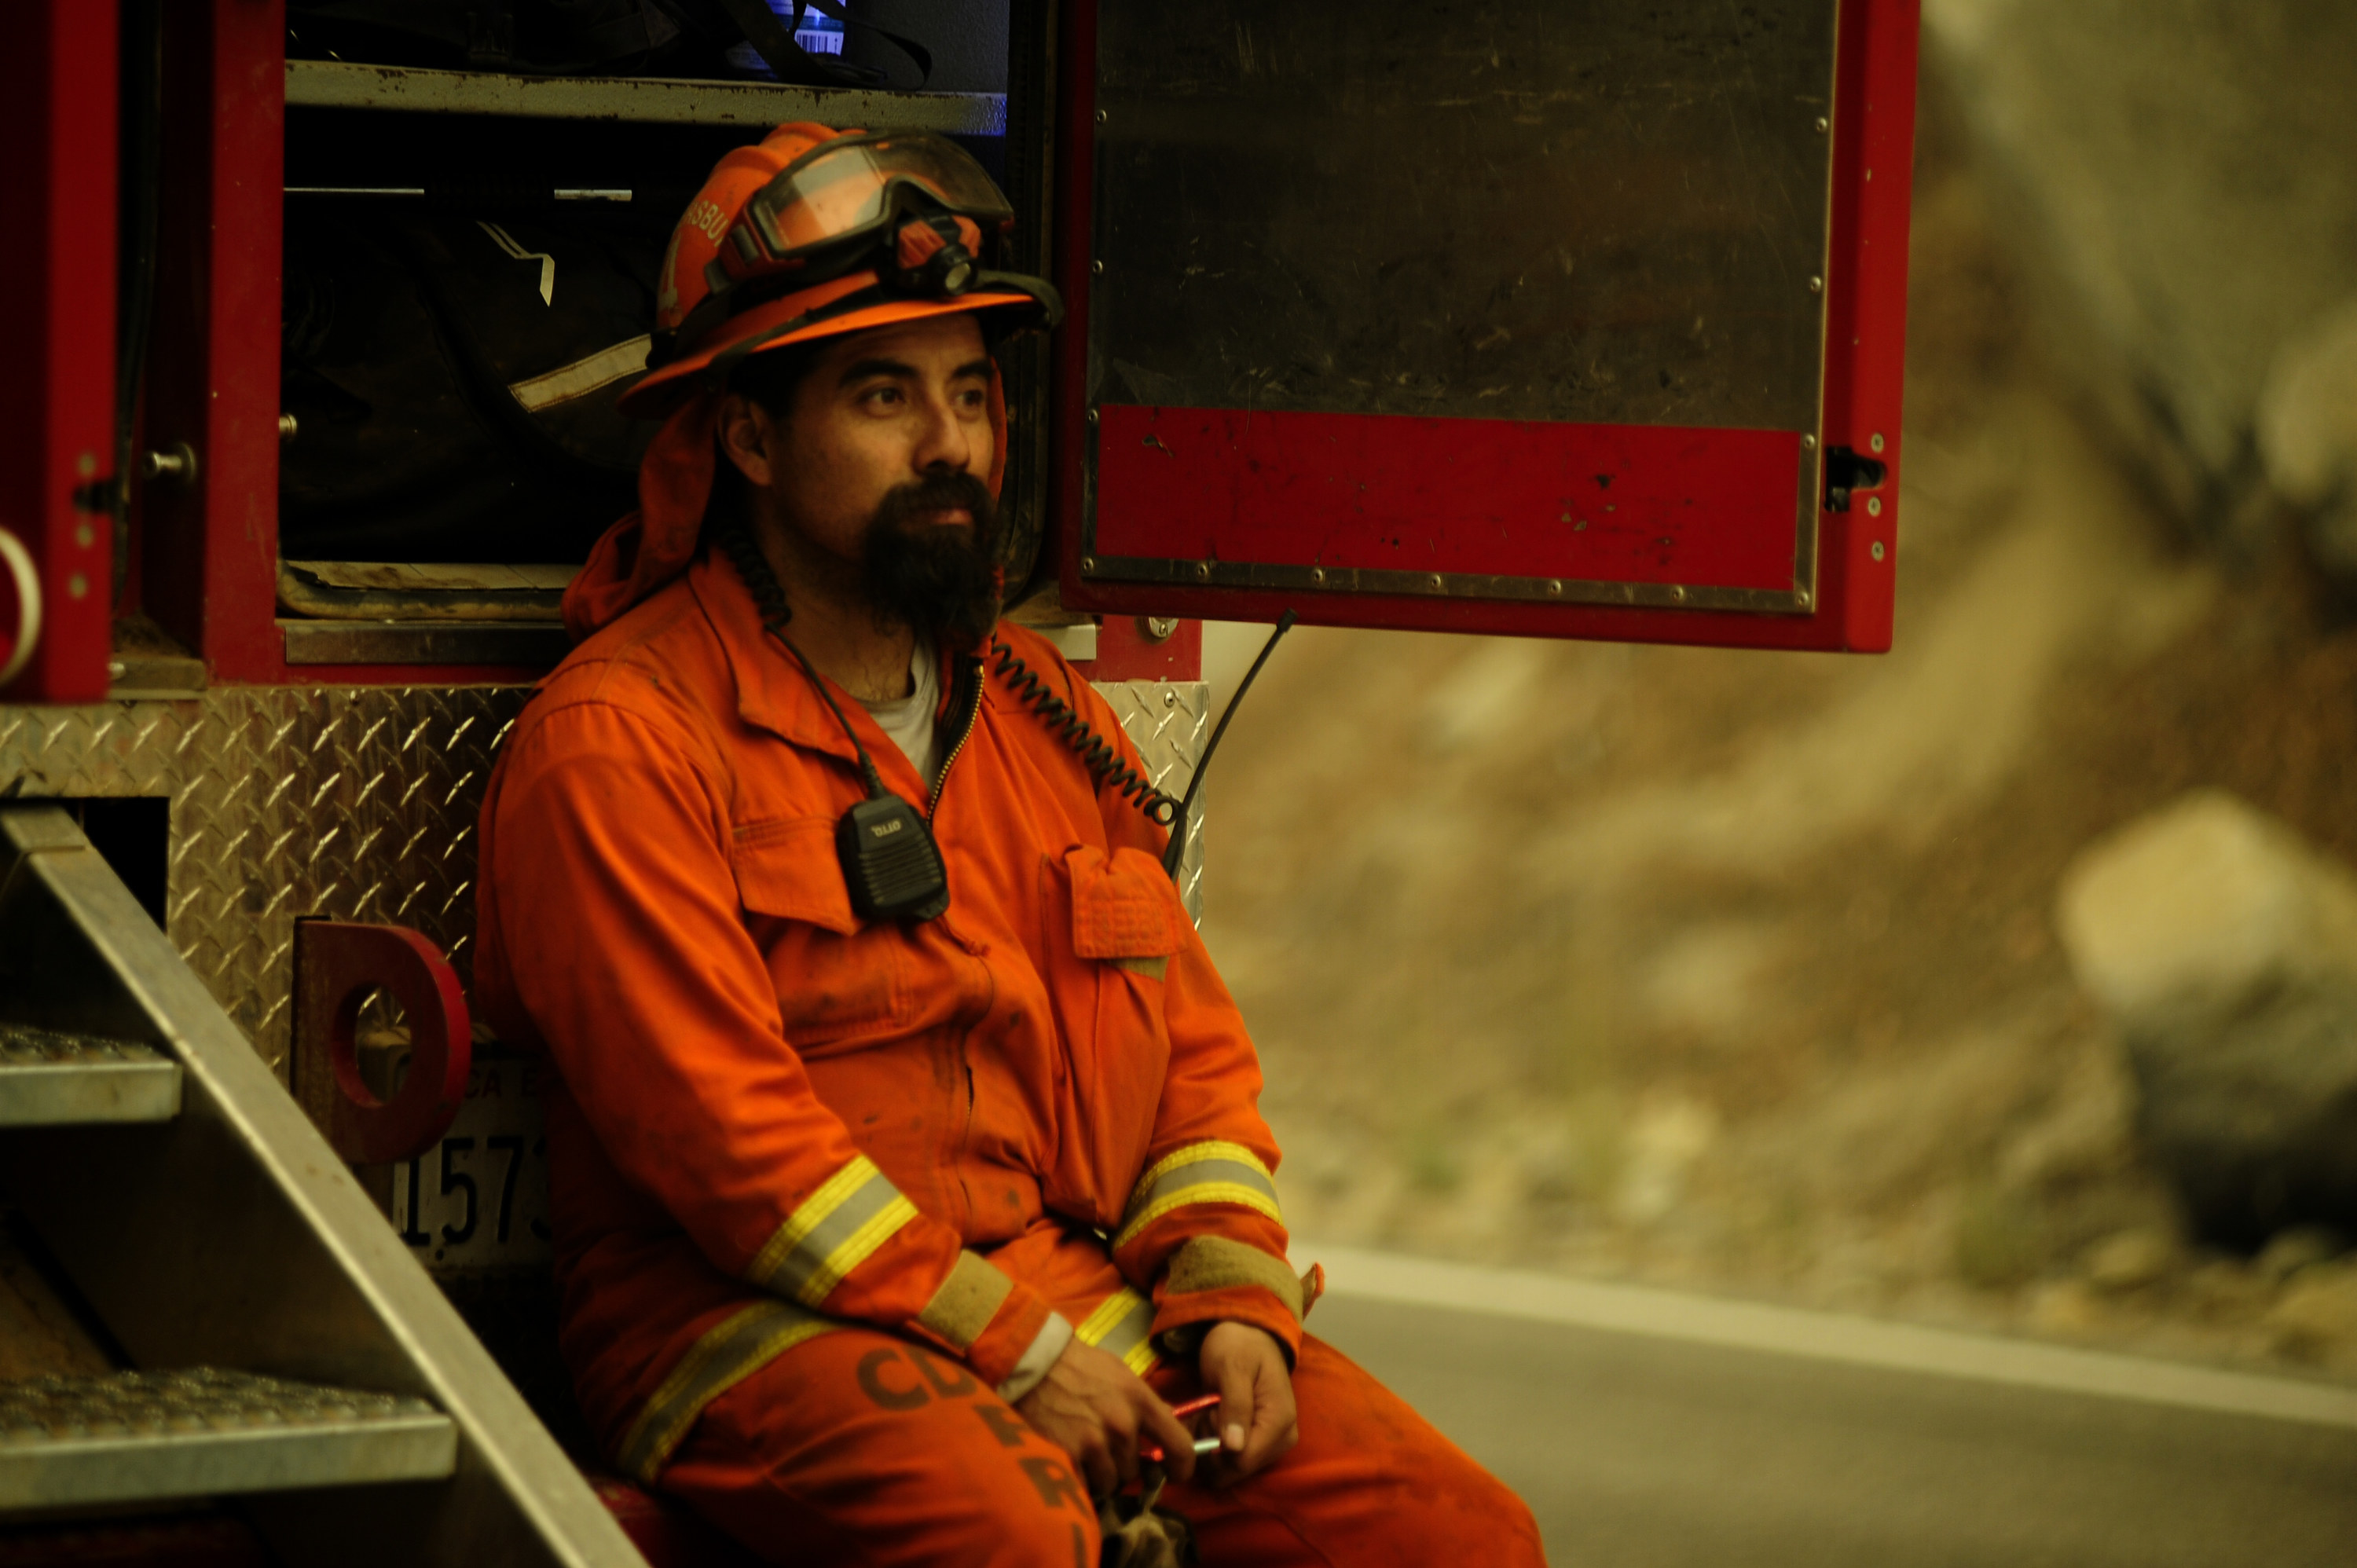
910	720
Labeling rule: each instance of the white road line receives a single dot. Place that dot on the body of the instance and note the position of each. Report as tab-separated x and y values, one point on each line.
1821	1335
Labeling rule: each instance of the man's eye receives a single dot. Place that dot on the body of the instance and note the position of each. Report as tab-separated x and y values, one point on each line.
882	397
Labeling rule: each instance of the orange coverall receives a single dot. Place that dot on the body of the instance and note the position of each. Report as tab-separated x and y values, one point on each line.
816	1186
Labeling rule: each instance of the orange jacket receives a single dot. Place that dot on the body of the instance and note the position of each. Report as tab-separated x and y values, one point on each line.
772	1118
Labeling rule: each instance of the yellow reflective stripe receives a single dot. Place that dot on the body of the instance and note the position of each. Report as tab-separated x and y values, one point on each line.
834	1231
1199	1172
1206	1192
1191	1155
1122	1326
722	1357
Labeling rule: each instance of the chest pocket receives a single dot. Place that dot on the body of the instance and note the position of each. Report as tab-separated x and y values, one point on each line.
839	984
1108	965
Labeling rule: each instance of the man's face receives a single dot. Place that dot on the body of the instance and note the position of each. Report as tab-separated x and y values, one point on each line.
882	465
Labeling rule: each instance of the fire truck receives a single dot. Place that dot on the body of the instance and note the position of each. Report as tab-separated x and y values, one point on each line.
1561	321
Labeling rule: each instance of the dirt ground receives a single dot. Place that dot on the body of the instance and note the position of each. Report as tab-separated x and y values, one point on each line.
1738	971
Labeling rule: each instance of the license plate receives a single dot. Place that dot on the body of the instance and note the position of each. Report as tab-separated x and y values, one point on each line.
478	1200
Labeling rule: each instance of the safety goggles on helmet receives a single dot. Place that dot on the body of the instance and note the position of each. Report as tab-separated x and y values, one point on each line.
815	232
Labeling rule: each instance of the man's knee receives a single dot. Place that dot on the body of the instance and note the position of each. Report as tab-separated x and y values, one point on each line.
1045	1517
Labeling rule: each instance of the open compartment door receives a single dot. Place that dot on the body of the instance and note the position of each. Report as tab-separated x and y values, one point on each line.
1569	320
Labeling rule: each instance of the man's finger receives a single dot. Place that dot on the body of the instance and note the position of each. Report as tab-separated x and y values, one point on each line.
1121	1437
1272	1417
1096	1464
1235	1403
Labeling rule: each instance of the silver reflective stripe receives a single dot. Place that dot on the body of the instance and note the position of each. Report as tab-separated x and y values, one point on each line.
1122	1325
1213	1177
856	1211
730	1352
581	377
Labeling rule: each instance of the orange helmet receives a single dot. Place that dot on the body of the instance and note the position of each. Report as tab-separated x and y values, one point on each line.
813	232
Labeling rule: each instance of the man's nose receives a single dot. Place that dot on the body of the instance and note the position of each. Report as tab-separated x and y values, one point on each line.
945	441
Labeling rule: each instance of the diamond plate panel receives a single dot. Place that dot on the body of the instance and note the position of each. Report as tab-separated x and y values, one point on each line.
1169	721
349	804
360	804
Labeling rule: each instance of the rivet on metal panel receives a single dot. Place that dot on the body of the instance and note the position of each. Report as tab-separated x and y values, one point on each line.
77	587
1100	116
1092	416
287	426
1157	628
85	535
1876	550
1202	571
1816	286
176	463
1874	441
1318	576
1088	563
1433	581
1874	506
86	466
1800	598
1824	124
1678	594
1554	589
1808	442
1097	267
1169	698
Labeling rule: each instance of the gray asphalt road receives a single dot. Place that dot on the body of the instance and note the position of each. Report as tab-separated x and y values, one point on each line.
1644	1451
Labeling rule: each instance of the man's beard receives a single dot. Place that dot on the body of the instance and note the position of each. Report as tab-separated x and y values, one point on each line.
941	578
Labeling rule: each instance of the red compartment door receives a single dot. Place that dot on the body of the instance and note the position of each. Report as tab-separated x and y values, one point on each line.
1571	320
57	350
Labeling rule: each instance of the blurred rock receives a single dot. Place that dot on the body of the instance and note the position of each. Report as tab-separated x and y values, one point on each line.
2131	1259
2183	181
2302	1246
2316	1320
1671	1132
2225	950
2308	433
2083	1135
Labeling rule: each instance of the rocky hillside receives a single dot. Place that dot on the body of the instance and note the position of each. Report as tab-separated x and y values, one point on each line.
1742	970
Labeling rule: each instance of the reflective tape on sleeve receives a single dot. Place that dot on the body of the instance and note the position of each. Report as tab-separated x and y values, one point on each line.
1199	1172
1122	1326
724	1356
837	1229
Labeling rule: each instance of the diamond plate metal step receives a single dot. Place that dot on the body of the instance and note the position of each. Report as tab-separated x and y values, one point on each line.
49	1079
147	1436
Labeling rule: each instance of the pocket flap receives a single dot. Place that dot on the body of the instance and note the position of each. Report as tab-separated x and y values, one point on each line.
1123	906
789	870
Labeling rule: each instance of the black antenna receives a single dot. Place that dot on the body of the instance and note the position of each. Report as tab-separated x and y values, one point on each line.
1177	849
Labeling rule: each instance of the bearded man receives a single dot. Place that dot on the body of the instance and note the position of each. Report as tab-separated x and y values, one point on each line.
893	1211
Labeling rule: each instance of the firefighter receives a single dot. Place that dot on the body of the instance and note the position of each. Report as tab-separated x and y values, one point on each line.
903	1147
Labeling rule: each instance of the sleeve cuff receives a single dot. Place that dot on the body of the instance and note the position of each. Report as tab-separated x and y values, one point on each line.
981	1315
1047	1346
1212	1279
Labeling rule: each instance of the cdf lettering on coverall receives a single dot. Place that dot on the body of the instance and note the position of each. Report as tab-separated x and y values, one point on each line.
887	1238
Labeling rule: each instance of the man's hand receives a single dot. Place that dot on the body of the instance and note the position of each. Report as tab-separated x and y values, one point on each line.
1257	1424
1093	1407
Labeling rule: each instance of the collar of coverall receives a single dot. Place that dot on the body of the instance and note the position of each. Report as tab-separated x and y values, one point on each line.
655	544
773	694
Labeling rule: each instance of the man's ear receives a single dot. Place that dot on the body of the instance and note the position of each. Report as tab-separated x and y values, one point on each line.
749	436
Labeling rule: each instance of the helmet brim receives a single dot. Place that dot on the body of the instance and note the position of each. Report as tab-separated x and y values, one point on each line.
768	325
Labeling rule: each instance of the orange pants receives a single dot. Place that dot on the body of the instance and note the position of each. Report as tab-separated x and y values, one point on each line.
860	1447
